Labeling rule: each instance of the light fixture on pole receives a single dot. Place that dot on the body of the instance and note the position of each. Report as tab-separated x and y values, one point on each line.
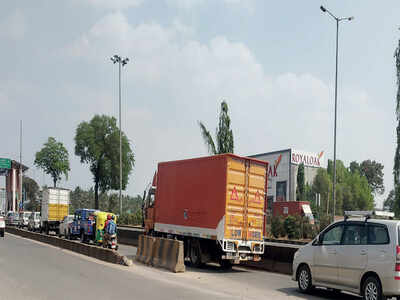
334	138
121	62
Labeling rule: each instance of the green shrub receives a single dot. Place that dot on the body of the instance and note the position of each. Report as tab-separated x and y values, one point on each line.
309	230
277	228
292	225
131	219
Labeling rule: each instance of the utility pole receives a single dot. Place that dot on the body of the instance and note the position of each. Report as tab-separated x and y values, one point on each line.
336	75
20	167
121	62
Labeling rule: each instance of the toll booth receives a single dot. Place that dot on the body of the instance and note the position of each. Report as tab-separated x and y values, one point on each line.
13	171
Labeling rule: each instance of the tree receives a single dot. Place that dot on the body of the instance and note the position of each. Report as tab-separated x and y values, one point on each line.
31	189
352	189
97	144
300	195
354	167
396	166
80	198
323	185
389	202
53	159
224	135
341	171
373	171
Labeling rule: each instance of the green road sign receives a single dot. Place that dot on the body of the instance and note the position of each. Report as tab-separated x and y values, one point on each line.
5	163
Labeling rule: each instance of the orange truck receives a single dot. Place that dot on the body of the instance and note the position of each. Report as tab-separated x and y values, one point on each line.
215	204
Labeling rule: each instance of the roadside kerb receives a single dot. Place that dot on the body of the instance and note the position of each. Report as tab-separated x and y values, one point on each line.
104	254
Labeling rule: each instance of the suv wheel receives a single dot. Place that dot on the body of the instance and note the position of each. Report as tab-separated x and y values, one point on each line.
304	279
372	289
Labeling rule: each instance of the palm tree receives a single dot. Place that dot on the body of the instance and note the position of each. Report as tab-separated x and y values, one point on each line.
224	135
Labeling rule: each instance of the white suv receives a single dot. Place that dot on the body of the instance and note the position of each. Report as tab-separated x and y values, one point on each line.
359	256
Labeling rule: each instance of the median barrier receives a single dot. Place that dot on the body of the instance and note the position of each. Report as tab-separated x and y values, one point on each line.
129	236
168	254
104	254
275	259
145	249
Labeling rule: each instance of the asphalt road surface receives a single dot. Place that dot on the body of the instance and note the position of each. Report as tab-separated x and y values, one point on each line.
31	270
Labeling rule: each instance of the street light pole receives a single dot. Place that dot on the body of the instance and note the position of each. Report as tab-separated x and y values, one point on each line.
336	75
121	62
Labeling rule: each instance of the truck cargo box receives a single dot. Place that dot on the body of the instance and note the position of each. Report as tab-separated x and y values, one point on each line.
217	197
55	204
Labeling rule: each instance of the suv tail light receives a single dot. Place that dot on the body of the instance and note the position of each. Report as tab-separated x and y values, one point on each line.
398	254
397	265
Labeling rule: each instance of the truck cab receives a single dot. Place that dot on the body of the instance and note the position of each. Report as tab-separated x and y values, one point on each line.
83	224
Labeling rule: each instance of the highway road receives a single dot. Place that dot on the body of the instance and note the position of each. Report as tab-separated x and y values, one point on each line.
31	270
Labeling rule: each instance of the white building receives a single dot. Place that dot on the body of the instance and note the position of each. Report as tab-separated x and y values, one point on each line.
282	172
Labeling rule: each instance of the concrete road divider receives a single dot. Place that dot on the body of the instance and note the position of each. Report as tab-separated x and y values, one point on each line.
168	254
104	254
145	249
161	252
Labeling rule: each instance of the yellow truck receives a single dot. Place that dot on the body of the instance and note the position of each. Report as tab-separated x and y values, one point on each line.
55	205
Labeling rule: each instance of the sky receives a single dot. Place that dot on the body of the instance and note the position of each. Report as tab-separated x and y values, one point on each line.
272	61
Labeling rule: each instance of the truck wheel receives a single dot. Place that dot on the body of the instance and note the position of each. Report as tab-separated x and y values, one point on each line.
226	264
195	253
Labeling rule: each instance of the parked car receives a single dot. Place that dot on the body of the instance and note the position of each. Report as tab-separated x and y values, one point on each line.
358	256
2	226
12	218
34	222
65	229
24	218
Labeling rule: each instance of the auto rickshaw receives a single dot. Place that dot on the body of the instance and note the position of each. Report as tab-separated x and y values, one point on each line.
101	218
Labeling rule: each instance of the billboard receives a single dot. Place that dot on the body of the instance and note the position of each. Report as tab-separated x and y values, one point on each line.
315	160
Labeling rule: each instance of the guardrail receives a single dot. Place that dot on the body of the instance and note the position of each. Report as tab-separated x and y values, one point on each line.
291	242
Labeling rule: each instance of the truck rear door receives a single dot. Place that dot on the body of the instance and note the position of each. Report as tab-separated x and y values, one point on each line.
244	217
